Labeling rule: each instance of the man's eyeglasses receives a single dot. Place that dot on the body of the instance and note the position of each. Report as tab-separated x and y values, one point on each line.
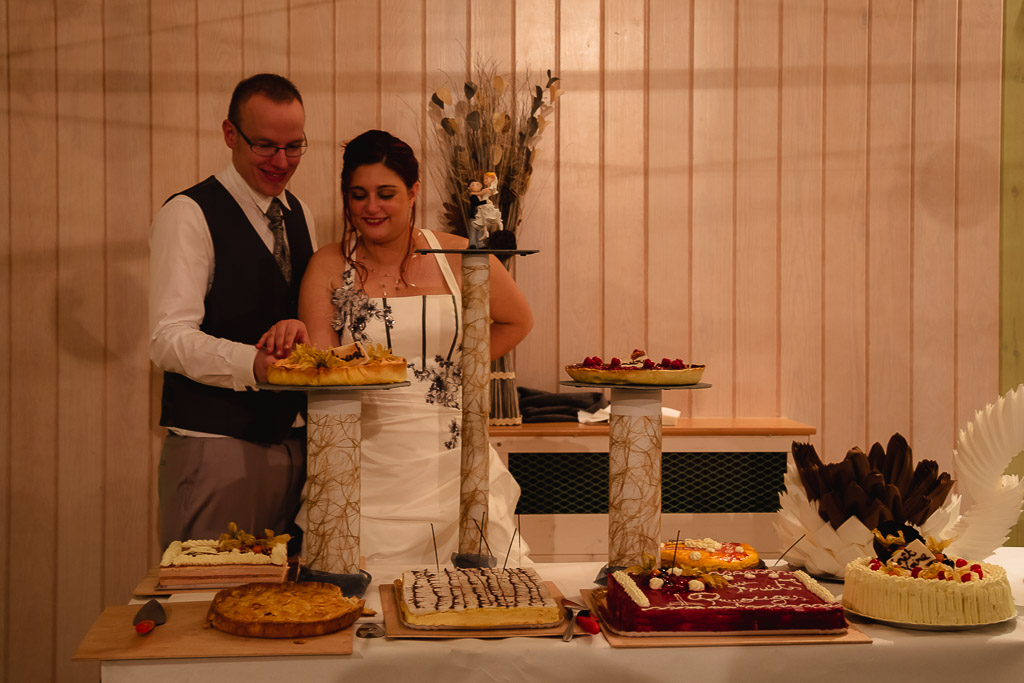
294	150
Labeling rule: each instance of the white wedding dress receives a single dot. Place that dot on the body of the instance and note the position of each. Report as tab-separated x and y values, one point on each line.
411	445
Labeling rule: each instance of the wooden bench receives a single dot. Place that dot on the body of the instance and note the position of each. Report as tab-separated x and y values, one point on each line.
578	537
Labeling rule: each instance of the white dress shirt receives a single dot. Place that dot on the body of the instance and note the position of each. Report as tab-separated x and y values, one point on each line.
181	265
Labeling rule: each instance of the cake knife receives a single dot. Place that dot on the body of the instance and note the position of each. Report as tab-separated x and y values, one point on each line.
149	616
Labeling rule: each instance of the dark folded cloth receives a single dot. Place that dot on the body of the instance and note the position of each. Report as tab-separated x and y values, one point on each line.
557	417
543	406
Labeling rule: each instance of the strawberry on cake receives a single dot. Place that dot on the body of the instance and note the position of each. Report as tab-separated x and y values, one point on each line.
639	369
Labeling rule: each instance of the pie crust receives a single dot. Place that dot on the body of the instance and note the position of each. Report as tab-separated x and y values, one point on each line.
286	610
689	375
350	365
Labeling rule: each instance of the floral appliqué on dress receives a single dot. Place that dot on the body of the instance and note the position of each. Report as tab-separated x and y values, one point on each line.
444	380
454	432
353	310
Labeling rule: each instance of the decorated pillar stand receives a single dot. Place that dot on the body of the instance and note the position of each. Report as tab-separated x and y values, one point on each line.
474	491
330	544
634	470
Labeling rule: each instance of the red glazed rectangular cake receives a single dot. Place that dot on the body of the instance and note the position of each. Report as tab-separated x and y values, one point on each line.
754	601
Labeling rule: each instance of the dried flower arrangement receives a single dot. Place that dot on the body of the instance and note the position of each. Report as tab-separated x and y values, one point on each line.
490	127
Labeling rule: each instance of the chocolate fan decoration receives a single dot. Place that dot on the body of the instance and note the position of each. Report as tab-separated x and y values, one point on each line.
880	487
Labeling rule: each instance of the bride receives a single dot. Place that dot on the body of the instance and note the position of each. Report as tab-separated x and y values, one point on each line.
372	287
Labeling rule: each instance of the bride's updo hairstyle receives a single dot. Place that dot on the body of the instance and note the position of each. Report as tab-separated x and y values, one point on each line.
376	147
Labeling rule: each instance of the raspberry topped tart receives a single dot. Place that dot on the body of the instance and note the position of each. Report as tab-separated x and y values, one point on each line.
639	369
352	364
913	582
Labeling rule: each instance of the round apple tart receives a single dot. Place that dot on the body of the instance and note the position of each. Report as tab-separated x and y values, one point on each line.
639	369
285	610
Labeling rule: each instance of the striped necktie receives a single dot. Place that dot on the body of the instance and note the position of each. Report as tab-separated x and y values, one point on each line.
284	262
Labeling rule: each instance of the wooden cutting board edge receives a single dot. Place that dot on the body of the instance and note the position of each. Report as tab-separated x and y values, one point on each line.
185	635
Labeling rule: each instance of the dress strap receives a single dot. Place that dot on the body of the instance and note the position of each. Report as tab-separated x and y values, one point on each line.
446	270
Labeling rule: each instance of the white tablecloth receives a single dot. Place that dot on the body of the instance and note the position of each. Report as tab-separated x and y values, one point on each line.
990	654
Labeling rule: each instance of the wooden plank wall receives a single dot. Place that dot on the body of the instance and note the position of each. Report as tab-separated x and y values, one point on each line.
801	193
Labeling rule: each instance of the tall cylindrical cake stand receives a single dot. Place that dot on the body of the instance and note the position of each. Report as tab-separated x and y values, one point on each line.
634	469
330	543
474	491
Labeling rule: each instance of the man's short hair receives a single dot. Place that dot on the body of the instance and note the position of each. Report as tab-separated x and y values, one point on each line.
272	86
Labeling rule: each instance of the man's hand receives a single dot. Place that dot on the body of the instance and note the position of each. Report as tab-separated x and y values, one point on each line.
281	337
260	364
277	343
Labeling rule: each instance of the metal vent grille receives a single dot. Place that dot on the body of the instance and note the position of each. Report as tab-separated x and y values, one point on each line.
577	483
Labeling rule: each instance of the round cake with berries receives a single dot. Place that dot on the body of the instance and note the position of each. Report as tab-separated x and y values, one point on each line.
639	369
914	582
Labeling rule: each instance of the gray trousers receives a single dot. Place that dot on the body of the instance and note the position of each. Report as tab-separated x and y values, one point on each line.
205	483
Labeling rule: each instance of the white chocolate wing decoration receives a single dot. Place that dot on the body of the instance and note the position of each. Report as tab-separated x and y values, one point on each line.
985	449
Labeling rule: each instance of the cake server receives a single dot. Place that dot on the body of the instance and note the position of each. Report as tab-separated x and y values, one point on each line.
149	616
578	614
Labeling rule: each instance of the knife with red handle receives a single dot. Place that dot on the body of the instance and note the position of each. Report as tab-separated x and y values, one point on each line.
149	616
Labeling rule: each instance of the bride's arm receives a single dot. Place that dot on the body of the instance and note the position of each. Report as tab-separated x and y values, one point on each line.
511	317
315	307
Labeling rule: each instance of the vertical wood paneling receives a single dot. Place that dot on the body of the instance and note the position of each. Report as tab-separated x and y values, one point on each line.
219	55
843	242
537	366
977	213
311	28
266	32
357	84
127	160
33	474
668	186
446	66
714	224
757	208
800	202
401	69
6	327
935	230
81	334
174	132
888	212
625	253
580	232
490	27
800	193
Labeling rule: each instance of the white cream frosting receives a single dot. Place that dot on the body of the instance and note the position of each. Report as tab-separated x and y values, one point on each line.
928	601
814	586
205	553
632	590
656	583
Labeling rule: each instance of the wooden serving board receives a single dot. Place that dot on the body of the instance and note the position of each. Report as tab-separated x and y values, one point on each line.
186	635
853	635
394	628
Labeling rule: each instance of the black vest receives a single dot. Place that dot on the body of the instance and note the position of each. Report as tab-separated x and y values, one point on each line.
248	295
